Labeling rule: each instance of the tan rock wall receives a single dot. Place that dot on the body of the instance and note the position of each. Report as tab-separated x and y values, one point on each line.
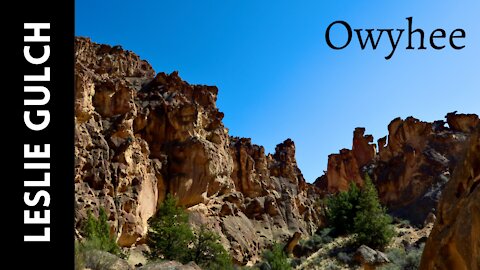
412	166
454	242
141	136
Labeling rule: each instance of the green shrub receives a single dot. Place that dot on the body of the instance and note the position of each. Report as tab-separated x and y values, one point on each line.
312	243
296	262
325	235
208	253
359	211
79	256
344	258
277	258
402	260
170	237
318	239
97	234
414	256
372	224
169	233
342	208
396	257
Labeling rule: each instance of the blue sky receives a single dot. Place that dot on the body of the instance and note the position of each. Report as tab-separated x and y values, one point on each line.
278	79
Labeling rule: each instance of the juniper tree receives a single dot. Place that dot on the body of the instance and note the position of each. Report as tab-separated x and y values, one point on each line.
169	233
372	224
342	208
277	258
97	233
208	252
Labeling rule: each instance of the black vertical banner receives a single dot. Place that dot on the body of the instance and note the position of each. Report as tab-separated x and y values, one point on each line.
40	78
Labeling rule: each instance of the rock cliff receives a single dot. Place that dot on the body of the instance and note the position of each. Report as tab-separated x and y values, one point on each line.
454	242
140	136
412	164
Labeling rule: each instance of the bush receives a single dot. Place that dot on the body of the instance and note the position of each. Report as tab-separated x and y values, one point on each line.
277	258
342	208
295	262
169	234
344	258
396	257
208	253
359	211
318	239
372	224
79	257
311	243
97	237
170	237
414	256
402	260
325	235
97	234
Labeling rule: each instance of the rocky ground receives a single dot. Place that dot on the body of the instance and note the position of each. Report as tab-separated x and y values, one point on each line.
328	255
140	135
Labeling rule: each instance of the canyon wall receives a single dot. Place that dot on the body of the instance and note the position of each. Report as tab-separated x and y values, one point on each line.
454	242
141	135
411	166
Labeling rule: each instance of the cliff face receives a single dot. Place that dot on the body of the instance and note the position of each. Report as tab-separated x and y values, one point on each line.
140	136
454	242
410	168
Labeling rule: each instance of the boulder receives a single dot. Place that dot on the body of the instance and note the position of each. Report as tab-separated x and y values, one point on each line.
102	260
370	258
170	265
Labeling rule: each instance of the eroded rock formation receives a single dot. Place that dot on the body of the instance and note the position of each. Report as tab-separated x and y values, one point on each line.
412	164
140	136
454	242
344	167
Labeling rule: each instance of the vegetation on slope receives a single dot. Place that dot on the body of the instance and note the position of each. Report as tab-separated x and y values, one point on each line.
170	237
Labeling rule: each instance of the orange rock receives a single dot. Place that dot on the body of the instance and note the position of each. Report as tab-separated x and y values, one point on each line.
292	242
462	122
345	167
362	147
141	136
454	242
342	169
410	170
